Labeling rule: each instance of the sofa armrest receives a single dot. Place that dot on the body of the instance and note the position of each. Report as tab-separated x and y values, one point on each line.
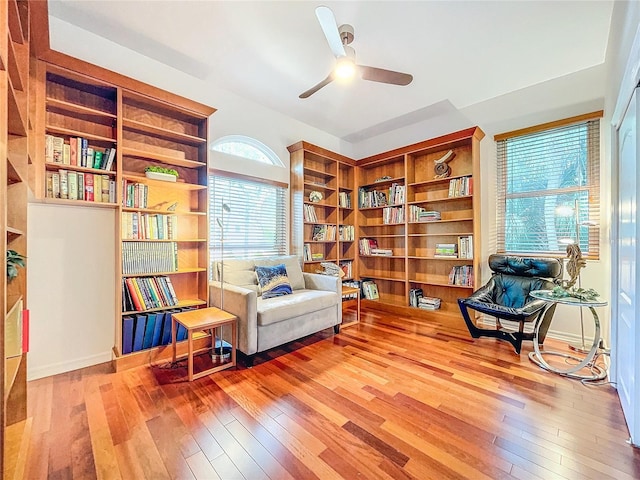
241	302
316	281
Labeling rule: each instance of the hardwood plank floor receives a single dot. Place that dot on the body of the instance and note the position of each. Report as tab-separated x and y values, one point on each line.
389	398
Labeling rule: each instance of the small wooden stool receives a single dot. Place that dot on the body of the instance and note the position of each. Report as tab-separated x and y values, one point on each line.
350	291
204	319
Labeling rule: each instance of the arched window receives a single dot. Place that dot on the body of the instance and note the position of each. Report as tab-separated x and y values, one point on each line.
246	147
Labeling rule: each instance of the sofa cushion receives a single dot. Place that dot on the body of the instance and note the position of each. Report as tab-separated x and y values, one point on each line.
238	272
300	302
294	271
273	281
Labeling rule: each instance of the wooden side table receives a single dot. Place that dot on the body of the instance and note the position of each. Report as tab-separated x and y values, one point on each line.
199	320
350	291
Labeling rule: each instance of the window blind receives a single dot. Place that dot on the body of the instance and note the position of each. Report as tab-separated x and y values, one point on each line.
549	190
255	224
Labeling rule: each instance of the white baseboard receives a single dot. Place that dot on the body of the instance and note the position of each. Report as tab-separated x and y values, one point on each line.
67	366
555	334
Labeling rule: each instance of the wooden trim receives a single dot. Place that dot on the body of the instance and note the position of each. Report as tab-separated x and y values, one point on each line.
434	142
549	125
302	145
39	28
116	79
250	178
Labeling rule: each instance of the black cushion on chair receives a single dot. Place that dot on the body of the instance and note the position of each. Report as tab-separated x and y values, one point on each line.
506	294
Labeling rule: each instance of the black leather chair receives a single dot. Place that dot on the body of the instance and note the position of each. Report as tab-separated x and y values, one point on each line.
506	297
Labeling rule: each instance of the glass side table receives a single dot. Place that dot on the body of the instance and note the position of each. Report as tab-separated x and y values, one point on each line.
575	364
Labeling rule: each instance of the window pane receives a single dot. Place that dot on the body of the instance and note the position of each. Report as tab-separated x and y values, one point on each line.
253	223
548	190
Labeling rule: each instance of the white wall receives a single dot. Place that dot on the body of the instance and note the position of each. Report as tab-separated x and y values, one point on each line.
71	254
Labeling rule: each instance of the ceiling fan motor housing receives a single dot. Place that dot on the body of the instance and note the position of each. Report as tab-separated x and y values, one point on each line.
346	34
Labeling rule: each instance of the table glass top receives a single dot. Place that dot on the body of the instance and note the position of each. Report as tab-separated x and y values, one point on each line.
548	296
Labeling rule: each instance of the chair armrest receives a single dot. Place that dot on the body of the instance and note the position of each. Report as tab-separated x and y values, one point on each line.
315	281
241	302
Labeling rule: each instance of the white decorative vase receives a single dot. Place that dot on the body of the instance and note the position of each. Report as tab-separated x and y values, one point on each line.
165	177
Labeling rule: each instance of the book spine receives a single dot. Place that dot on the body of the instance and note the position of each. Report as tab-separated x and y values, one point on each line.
64	185
66	154
72	179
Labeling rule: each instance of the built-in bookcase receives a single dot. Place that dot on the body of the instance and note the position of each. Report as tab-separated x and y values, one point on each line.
162	223
15	132
415	227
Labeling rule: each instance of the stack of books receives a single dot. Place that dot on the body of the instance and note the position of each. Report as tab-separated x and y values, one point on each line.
429	216
429	303
446	250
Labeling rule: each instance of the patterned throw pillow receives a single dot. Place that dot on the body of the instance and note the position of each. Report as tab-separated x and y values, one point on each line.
273	281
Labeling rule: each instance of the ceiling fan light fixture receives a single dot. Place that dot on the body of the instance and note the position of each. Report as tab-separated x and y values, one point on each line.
345	68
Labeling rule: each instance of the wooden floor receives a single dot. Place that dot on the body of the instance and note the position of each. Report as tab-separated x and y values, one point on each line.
389	398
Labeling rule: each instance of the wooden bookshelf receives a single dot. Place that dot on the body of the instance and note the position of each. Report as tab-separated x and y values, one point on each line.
314	169
14	191
146	127
388	190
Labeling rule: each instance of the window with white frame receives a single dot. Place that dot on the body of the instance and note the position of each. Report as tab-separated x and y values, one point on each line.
549	188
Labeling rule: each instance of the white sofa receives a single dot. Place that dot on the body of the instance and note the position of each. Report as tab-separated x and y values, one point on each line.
314	305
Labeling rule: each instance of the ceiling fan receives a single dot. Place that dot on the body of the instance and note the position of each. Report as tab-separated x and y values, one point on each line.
339	39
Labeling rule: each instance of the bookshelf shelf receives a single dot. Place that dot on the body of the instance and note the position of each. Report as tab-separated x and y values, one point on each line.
84	203
177	185
315	186
17	124
13	68
13	176
180	271
75	168
15	23
153	240
76	108
436	181
318	172
181	304
441	284
441	200
76	133
165	212
13	233
162	132
158	157
11	368
383	183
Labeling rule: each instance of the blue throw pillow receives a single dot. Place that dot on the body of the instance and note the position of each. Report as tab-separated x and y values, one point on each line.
273	281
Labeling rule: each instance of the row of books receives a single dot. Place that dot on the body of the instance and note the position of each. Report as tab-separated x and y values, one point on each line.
145	293
369	246
344	200
446	250
392	215
353	284
149	226
134	195
145	257
309	256
92	187
310	213
77	152
460	187
373	198
465	246
324	233
347	268
370	290
396	194
346	233
418	300
140	332
461	275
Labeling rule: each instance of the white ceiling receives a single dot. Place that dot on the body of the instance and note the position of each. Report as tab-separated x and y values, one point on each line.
460	53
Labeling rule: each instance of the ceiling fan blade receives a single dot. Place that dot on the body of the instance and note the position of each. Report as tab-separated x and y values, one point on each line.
385	76
314	89
330	28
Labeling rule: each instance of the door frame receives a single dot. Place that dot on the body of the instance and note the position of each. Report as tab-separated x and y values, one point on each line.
629	82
